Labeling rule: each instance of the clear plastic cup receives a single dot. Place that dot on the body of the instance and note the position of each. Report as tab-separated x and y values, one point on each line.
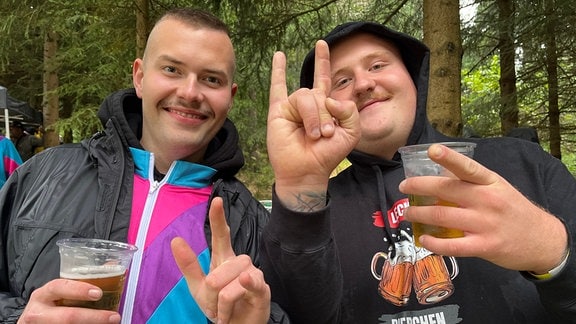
417	163
99	262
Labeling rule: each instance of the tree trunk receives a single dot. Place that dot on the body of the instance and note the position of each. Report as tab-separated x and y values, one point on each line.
552	70
50	100
66	112
508	96
442	35
142	22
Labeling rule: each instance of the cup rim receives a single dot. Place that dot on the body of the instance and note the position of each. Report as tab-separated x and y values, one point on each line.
423	147
77	241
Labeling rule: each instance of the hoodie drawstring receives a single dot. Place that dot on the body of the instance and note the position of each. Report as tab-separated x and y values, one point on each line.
387	225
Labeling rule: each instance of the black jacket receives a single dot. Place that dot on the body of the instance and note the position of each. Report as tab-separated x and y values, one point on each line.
85	190
327	272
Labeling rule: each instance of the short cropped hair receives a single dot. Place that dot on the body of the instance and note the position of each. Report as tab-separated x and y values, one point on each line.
197	18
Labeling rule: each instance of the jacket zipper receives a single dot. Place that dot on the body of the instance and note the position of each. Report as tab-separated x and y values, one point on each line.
140	243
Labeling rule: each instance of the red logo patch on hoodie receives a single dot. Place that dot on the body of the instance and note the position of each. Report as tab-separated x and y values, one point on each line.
395	214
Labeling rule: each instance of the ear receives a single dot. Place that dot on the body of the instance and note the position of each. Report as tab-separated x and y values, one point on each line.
233	91
137	76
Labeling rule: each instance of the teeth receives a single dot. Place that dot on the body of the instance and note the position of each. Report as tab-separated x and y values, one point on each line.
186	115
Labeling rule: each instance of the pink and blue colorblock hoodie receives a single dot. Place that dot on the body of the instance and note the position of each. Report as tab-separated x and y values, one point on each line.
10	159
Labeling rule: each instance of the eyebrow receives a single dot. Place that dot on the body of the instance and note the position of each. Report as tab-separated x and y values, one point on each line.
383	53
219	72
170	59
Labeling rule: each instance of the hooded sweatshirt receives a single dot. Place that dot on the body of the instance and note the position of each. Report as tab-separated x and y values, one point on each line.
355	260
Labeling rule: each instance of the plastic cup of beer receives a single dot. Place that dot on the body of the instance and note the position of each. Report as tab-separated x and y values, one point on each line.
99	262
417	163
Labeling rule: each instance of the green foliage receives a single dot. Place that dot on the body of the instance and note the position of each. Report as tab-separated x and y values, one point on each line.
94	47
480	81
82	124
480	107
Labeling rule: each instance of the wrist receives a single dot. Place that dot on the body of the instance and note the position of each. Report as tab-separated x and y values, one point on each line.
302	198
554	271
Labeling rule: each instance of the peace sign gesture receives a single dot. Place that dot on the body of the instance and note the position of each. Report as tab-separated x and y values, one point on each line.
309	133
234	291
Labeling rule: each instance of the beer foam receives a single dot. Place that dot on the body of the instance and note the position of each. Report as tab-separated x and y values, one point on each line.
93	272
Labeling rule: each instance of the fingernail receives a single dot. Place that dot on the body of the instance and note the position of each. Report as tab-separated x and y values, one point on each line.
328	127
95	293
435	150
315	133
211	316
114	318
401	185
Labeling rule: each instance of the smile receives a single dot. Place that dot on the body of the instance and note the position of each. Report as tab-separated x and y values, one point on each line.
372	102
186	115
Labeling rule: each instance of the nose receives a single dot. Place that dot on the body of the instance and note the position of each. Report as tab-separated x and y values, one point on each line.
190	89
363	84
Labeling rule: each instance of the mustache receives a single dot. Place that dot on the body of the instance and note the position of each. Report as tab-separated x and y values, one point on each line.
371	96
196	105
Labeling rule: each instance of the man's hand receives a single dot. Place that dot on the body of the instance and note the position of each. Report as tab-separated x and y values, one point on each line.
309	133
500	224
234	291
43	306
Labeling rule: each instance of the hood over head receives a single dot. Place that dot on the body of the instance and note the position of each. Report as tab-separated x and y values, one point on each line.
415	54
125	108
526	133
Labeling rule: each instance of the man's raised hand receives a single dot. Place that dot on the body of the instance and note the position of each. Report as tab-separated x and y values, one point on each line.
309	133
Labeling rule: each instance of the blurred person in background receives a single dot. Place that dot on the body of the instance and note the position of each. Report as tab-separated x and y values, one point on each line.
25	143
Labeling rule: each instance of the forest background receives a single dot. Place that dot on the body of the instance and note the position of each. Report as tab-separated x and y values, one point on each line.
495	64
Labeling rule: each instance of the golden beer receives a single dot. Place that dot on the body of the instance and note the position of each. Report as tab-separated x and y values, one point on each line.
110	278
436	231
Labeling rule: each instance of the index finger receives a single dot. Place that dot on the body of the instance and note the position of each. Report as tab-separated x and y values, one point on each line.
278	88
461	166
322	73
69	289
221	242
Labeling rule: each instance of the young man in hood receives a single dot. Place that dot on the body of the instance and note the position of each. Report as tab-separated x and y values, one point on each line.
168	154
341	250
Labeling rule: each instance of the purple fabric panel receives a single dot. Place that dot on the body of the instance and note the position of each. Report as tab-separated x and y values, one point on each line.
159	272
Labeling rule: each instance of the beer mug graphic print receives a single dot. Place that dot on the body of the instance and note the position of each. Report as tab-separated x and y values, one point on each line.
432	283
397	273
413	267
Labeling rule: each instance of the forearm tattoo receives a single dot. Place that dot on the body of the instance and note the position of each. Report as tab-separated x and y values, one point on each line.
309	201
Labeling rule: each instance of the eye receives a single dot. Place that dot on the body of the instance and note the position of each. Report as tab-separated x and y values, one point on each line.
342	82
377	66
169	69
214	81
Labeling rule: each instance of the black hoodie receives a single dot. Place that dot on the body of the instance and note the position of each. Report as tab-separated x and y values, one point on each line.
325	267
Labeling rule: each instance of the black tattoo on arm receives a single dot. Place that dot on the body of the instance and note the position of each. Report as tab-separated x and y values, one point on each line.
309	201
